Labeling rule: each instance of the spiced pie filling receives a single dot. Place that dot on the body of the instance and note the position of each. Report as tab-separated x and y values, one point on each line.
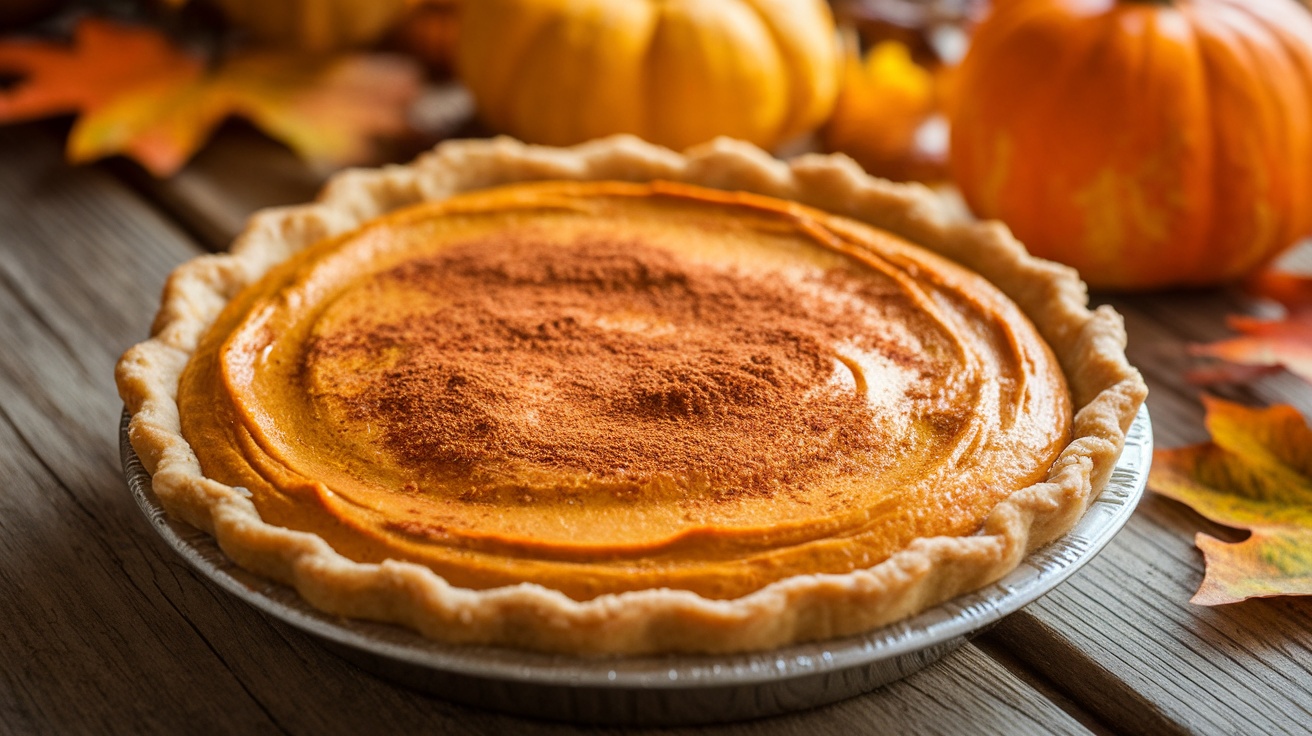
602	387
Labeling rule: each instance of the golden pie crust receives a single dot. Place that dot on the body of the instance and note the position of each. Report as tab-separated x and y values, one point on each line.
537	543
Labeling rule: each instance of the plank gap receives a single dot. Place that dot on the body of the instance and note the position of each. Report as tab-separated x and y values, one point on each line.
1005	656
102	609
1075	677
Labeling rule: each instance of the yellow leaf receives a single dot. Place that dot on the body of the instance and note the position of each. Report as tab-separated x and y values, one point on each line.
327	111
1255	474
161	125
105	62
139	95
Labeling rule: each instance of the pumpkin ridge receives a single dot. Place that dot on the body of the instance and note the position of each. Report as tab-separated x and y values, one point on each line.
1299	146
1215	147
1051	112
525	105
806	107
1225	38
788	60
1185	130
1108	205
1283	142
1194	217
677	73
998	152
494	92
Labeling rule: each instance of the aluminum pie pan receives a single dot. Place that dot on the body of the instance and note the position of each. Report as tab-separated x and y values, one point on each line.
671	689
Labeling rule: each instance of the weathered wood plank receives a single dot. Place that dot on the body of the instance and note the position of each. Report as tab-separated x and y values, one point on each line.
90	637
1121	638
107	631
212	197
1131	651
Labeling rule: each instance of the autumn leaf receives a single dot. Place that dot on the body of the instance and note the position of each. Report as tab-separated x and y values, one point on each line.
1255	474
103	62
1267	343
880	118
328	111
137	94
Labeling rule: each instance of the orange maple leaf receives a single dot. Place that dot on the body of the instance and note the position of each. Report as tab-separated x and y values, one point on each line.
886	106
103	60
1264	344
137	94
1255	474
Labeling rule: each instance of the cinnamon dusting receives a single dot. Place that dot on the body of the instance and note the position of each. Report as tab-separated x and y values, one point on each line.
614	360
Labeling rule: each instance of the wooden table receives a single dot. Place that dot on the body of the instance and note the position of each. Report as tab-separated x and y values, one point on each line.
104	630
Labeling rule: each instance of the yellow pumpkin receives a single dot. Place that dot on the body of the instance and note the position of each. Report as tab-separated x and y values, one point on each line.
676	72
1148	144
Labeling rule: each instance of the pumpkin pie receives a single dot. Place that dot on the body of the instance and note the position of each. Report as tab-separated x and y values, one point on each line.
613	399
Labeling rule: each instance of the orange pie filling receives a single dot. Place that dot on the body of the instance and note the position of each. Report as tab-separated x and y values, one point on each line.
602	387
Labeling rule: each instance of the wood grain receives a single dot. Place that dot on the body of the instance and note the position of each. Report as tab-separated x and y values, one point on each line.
106	631
1120	639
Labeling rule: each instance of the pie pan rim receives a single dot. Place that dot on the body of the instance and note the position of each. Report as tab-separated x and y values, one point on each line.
1106	391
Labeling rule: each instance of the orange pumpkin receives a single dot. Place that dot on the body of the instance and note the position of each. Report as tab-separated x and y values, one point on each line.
1148	144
